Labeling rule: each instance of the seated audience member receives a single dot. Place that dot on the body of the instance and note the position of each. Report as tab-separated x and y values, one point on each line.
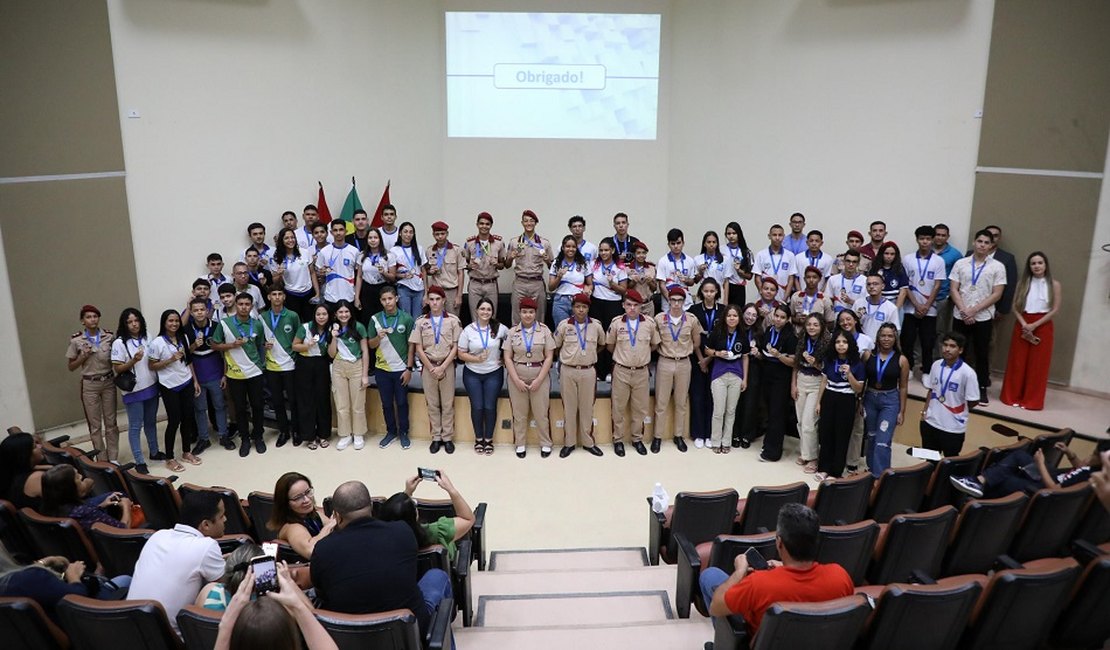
275	621
175	563
21	470
66	494
445	531
1020	472
296	518
217	595
798	578
368	566
1100	481
51	579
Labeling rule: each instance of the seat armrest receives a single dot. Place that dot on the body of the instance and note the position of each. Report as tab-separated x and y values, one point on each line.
57	442
730	633
478	535
657	522
439	630
461	581
125	467
1007	562
1084	551
689	572
920	577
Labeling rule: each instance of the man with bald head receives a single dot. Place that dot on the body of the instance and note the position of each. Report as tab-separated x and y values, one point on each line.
367	566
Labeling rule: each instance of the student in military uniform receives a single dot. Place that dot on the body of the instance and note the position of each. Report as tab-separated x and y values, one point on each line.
90	350
444	269
631	339
578	339
530	256
641	277
436	335
528	355
485	255
679	338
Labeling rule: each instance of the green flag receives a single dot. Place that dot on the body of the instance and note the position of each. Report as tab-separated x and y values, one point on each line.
349	206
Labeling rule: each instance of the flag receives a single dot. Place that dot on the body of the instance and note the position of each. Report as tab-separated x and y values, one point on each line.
376	222
349	206
322	205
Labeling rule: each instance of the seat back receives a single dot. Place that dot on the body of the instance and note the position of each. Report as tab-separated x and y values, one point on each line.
261	506
430	510
939	492
238	522
57	453
701	516
925	617
199	627
1094	525
1051	516
1019	606
1046	443
161	503
829	625
392	630
14	535
1084	623
900	490
58	536
26	626
914	542
133	624
432	557
727	547
106	477
850	546
995	454
761	508
119	548
844	500
984	531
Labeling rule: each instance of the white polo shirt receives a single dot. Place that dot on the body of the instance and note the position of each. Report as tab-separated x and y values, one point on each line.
923	274
173	566
977	282
779	266
960	387
872	317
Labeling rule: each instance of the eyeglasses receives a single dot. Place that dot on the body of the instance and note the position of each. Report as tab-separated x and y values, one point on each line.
303	496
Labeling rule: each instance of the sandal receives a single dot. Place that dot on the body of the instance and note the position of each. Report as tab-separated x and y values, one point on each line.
174	466
716	450
725	449
489	449
801	461
191	459
323	443
479	447
312	445
811	467
820	476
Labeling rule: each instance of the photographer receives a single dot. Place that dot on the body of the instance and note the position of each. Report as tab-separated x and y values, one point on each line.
445	531
272	620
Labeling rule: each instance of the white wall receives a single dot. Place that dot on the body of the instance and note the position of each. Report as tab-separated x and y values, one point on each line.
1092	355
15	402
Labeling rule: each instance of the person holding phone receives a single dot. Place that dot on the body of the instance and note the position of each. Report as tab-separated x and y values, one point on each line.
276	619
444	531
296	518
65	493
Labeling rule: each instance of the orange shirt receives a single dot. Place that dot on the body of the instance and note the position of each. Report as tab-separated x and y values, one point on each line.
759	590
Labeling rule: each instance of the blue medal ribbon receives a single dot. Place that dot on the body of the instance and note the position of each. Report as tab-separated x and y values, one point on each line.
581	336
483	336
943	381
436	327
633	332
676	333
529	337
975	274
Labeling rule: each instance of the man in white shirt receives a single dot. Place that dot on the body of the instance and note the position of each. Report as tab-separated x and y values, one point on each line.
874	310
305	241
976	285
389	229
338	261
175	563
925	270
677	269
952	394
776	262
845	288
577	226
815	257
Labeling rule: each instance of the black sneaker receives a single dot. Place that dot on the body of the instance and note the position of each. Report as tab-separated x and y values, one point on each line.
244	448
201	445
227	443
158	456
141	468
984	398
260	446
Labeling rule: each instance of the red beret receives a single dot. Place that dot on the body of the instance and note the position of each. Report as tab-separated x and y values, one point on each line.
634	295
88	308
439	225
529	213
436	290
485	215
583	298
528	303
676	291
638	245
855	233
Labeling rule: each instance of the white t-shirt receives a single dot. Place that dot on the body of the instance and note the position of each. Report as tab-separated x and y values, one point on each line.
732	256
864	342
961	386
574	280
779	266
122	351
305	240
845	292
977	281
173	566
601	275
295	273
175	374
872	317
589	251
256	296
824	263
339	281
404	259
389	239
471	340
372	266
720	271
924	274
671	269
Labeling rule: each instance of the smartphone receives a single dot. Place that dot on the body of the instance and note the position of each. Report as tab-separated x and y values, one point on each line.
756	560
427	474
265	574
327	506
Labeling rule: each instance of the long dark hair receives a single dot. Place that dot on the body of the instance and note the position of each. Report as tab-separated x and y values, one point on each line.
279	252
853	349
719	257
579	261
179	335
16	453
896	267
493	324
122	330
59	491
820	345
401	507
757	326
720	328
313	327
742	242
415	246
366	252
352	325
283	514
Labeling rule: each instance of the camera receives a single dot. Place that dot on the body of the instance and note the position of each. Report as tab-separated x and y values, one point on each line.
265	574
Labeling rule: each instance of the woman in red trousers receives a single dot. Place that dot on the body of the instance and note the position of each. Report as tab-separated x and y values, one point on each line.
1036	302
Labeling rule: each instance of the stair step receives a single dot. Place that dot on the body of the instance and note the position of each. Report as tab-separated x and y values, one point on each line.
501	583
575	559
691	633
533	610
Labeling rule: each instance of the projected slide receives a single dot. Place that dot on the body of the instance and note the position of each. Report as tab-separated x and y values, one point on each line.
551	75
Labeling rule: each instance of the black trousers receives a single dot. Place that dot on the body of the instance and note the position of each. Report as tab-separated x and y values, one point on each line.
283	397
300	305
179	412
945	442
923	329
776	396
605	311
370	299
701	401
244	391
834	431
312	385
738	295
751	402
978	350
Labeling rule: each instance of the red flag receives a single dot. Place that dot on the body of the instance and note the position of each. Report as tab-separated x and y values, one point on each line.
377	222
322	205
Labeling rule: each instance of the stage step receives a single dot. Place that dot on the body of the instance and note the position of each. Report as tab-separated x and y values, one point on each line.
569	559
668	635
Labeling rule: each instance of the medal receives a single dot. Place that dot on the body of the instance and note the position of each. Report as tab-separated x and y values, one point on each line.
941	399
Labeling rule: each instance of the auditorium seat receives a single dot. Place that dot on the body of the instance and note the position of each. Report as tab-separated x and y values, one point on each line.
1085	622
720	553
939	492
1094	525
161	503
698	516
237	519
759	512
997	453
14	535
912	545
119	548
1046	442
831	625
133	624
56	452
1049	520
1019	606
26	626
392	630
983	532
199	627
840	501
260	505
106	477
436	557
58	536
229	543
851	546
921	617
430	510
899	490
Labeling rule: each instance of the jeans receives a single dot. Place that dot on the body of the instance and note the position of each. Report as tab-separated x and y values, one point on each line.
709	580
200	407
483	390
561	307
435	585
142	415
410	301
880	413
395	401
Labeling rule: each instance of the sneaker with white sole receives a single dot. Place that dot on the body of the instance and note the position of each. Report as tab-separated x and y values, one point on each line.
405	443
387	440
359	442
699	443
967	485
343	443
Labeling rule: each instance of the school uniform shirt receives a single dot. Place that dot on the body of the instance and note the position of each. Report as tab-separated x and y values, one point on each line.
318	343
123	349
280	330
573	281
486	253
532	255
437	334
819	303
632	343
475	339
678	336
622	250
737	343
837	382
529	345
404	259
706	318
720	270
804	260
215	281
977	282
671	269
373	266
393	352
295	273
922	274
305	240
958	385
589	251
864	343
602	273
257	304
893	282
445	261
347	346
871	317
247	361
732	257
389	239
844	292
100	362
339	283
207	363
578	342
784	340
638	280
175	375
779	266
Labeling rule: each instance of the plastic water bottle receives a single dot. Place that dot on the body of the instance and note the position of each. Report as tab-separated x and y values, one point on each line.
659	498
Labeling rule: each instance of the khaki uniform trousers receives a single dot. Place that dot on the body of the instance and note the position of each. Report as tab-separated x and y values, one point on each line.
478	289
855	443
672	374
537	401
530	289
350	397
98	397
629	386
579	389
440	395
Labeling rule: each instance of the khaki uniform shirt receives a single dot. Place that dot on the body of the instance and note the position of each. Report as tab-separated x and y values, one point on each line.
99	363
423	333
570	348
689	333
542	341
483	258
822	305
620	336
533	257
446	273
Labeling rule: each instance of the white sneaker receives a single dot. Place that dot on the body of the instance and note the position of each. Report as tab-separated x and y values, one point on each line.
359	442
699	443
343	443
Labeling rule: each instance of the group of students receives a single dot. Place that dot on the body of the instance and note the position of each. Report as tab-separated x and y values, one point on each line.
327	307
